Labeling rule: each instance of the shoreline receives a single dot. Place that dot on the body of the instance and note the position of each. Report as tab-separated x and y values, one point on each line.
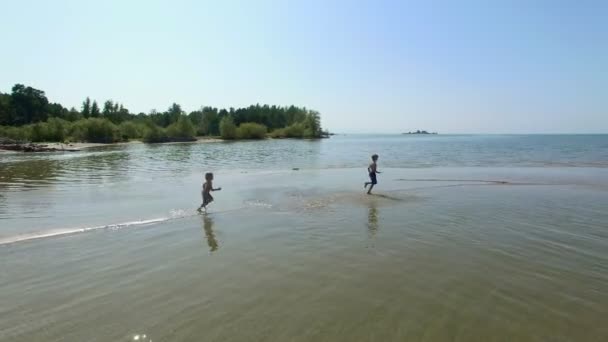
39	147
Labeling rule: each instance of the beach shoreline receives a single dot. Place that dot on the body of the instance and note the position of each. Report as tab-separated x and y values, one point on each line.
29	147
37	147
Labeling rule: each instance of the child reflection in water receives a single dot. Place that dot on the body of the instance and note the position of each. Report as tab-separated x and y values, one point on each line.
372	220
208	227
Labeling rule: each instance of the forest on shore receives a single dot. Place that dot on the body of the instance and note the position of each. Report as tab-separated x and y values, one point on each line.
27	115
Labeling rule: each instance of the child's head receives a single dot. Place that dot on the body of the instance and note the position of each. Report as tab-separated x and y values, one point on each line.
209	176
374	157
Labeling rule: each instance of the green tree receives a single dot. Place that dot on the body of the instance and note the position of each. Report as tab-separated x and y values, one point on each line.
131	130
174	112
313	124
73	115
196	117
115	113
6	110
228	128
29	105
55	110
210	123
123	114
251	130
154	134
95	110
96	130
86	108
108	108
183	129
29	109
222	113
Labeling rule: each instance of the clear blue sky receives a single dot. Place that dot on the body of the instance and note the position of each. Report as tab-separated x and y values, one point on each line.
368	66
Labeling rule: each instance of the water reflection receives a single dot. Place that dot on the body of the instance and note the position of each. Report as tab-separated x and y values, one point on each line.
372	220
49	170
209	234
176	152
28	175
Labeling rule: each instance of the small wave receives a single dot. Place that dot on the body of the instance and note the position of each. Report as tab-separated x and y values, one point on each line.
489	182
179	213
257	203
72	231
174	214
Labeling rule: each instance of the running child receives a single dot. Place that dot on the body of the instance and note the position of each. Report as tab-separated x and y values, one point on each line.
372	169
207	188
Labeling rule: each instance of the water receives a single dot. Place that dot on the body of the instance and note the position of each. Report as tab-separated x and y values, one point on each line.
468	238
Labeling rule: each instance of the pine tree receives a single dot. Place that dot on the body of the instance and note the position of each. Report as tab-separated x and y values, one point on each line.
86	108
95	110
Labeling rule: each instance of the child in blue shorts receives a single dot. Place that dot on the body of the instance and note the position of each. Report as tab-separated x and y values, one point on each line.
372	169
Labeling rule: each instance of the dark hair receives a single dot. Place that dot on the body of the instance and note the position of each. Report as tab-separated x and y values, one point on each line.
374	156
208	175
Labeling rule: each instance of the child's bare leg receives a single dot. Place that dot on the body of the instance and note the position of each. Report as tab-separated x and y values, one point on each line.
369	192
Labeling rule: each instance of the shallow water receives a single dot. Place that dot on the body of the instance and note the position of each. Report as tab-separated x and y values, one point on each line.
467	250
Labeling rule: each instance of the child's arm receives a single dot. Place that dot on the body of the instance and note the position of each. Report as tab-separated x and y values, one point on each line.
216	189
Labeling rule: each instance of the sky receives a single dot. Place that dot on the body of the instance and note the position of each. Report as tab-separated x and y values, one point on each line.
368	66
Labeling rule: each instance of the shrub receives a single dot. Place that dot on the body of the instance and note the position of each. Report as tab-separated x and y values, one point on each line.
183	129
227	128
38	132
250	130
278	133
155	134
15	133
95	130
313	125
58	129
296	130
54	129
131	130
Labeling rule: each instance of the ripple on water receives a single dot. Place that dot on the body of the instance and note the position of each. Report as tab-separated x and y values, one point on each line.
455	250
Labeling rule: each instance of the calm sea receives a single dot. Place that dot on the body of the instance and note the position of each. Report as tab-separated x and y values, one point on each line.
467	238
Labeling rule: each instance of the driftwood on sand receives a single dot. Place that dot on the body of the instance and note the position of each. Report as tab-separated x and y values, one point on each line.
24	146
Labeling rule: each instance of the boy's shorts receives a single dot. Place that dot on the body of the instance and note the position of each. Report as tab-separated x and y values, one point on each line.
207	198
372	177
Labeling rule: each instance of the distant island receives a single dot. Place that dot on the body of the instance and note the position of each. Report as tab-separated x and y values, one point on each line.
420	132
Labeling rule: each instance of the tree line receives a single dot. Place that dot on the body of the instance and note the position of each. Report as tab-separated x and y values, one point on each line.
27	114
